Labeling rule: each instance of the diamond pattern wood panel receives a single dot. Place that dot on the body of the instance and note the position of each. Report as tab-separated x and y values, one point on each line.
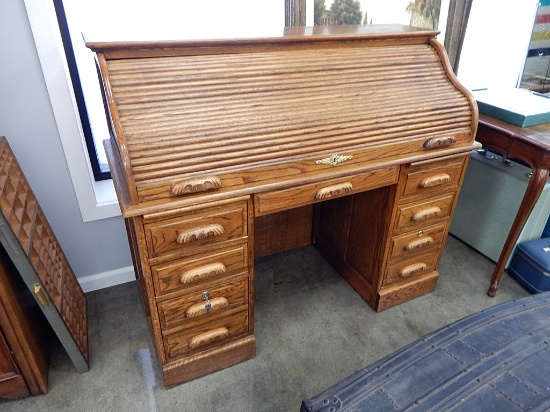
38	256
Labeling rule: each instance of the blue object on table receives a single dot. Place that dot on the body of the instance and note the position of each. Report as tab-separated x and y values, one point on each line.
546	230
530	264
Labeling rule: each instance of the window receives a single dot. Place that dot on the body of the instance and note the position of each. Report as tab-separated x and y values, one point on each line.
425	13
496	43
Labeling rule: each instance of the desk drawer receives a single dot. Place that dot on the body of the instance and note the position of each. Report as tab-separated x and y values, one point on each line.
432	178
221	296
270	202
197	270
206	335
419	241
423	213
413	267
201	228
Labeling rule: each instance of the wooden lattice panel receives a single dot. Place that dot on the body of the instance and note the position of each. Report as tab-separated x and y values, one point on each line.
17	201
44	255
73	309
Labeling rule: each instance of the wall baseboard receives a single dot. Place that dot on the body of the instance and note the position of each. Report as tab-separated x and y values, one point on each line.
107	279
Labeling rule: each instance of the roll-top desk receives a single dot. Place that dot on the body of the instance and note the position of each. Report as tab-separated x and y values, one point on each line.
352	138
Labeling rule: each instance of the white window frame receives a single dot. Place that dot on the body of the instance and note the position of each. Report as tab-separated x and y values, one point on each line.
97	200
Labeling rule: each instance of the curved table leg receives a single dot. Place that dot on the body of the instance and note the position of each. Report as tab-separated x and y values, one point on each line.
532	193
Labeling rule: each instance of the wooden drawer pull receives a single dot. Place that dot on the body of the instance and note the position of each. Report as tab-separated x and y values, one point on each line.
419	243
200	233
412	270
196	185
435	142
203	272
435	181
200	308
334	190
424	214
208	337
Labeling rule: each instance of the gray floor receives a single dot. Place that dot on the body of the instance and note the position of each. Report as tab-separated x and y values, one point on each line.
312	330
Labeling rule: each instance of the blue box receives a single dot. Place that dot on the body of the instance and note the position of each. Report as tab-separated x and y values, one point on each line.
520	107
530	265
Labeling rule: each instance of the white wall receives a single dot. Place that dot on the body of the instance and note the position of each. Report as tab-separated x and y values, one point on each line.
96	250
496	43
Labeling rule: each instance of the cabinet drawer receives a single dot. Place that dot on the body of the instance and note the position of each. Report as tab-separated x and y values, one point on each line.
221	296
201	228
423	213
427	179
416	242
196	270
416	266
275	201
206	335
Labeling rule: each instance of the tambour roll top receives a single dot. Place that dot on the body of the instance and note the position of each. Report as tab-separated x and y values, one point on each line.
224	116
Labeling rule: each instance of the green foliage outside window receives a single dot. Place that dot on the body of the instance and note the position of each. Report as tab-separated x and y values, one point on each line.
318	10
425	13
347	11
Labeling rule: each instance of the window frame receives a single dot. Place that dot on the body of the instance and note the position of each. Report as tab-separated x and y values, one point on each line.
74	75
96	199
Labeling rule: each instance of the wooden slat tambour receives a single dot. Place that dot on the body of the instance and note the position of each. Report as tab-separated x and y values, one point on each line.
259	107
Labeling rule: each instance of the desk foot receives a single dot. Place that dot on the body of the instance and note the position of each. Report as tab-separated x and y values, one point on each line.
492	291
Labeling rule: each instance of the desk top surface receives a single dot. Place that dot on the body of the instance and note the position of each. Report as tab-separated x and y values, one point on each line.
125	35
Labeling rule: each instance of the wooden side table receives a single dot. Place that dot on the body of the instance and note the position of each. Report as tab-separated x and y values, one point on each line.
530	145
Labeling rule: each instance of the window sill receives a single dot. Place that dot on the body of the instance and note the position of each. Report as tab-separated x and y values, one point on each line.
106	204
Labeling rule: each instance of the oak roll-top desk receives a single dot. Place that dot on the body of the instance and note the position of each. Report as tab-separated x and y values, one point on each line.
353	138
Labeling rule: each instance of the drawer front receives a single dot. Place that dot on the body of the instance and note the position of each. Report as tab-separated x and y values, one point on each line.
433	178
197	270
219	296
426	212
276	201
205	336
419	241
408	269
198	229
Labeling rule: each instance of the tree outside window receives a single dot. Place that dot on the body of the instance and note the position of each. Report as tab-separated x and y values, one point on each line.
420	13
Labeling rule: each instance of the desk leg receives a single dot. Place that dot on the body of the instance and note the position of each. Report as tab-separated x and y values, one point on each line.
532	193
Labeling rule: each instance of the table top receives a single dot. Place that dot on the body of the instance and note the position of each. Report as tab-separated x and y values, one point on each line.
538	135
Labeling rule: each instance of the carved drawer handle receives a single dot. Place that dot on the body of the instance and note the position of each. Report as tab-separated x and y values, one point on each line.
428	213
412	270
334	190
203	272
196	185
201	308
208	337
436	142
435	181
200	233
419	243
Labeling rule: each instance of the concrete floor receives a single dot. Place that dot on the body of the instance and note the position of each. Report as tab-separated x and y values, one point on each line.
312	330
